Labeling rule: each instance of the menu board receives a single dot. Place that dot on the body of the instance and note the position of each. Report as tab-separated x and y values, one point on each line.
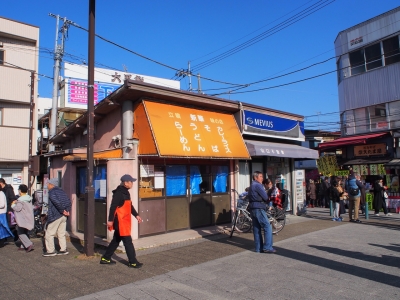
300	192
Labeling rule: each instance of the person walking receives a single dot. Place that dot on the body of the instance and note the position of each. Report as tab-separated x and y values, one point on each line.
119	220
325	191
23	212
312	189
379	198
353	188
56	225
336	195
258	200
8	192
5	231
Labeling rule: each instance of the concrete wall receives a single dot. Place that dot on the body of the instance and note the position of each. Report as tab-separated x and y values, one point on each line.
107	128
115	169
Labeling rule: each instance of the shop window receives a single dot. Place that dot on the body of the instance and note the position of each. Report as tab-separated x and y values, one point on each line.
373	56
99	181
176	180
199	180
357	62
151	181
391	50
220	179
2	57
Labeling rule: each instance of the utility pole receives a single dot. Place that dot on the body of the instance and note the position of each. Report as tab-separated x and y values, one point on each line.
198	84
58	55
190	77
31	116
89	217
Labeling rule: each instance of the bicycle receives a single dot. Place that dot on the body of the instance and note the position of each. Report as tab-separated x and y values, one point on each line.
241	220
243	223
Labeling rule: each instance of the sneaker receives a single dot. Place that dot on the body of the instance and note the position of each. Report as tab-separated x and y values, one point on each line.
270	251
339	219
376	215
62	252
334	219
388	214
104	261
47	254
136	265
30	248
352	220
357	221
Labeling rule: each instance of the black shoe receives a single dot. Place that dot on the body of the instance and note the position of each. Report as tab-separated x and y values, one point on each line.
136	265
104	261
48	254
62	252
270	251
352	220
358	221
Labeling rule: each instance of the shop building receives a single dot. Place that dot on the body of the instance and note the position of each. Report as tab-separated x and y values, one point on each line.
19	57
187	150
368	68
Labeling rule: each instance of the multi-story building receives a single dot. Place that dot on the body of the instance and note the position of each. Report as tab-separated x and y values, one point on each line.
19	55
368	72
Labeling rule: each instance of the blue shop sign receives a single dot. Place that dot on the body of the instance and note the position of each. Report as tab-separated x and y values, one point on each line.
272	125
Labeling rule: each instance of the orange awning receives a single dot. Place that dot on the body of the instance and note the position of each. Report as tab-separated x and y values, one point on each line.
187	132
114	153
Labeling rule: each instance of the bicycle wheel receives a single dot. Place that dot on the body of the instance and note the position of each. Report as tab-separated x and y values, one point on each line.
234	220
243	223
278	223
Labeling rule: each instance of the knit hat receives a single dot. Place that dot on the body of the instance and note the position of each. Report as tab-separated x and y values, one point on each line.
53	181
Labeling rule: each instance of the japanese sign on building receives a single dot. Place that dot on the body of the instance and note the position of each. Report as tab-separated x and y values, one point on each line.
369	150
74	93
181	131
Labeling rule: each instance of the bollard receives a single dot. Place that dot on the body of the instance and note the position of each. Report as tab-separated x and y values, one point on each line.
366	211
330	208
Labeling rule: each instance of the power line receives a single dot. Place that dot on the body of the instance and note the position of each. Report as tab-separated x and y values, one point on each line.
277	28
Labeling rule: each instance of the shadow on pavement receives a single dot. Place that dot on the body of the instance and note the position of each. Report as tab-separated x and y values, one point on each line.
376	276
384	260
393	247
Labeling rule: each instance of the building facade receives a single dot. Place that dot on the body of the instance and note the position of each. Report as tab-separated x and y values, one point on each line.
19	55
187	150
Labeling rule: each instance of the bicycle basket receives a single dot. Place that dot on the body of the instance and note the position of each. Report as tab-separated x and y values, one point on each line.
242	204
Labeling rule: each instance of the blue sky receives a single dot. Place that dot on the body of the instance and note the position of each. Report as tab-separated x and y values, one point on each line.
174	32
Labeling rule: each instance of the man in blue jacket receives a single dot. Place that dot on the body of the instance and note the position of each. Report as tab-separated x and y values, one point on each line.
258	199
59	208
353	188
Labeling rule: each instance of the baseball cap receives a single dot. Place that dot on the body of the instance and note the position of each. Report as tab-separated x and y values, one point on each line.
127	177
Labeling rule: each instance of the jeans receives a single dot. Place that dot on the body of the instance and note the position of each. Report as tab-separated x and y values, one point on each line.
260	220
128	244
336	207
354	204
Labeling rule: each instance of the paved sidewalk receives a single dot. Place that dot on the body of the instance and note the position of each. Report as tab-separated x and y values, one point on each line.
353	261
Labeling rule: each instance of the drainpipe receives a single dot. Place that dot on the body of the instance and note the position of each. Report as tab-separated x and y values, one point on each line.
127	128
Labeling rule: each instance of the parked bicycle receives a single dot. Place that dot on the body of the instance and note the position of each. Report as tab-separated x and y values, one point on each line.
242	222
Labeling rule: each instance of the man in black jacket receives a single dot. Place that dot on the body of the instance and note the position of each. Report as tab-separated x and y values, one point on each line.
8	190
119	219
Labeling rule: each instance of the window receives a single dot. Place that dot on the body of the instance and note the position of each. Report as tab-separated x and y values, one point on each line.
378	117
391	50
361	120
373	56
176	180
220	179
357	62
151	182
394	114
99	182
2	57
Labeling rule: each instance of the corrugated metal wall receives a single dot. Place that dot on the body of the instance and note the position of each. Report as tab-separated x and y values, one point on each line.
374	87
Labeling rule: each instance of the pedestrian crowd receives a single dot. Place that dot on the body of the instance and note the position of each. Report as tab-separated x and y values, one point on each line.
346	193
